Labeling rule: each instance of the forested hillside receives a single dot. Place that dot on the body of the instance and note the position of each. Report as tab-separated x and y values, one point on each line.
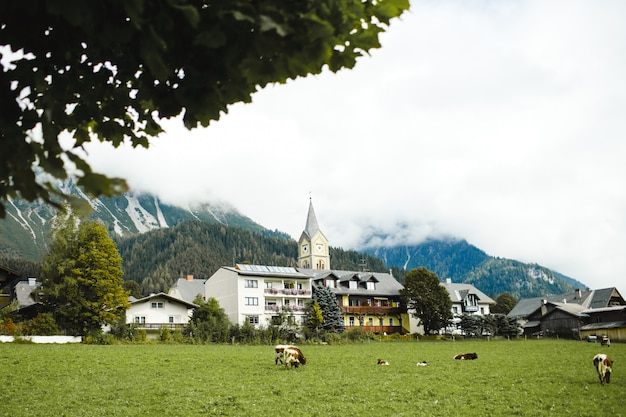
158	258
464	263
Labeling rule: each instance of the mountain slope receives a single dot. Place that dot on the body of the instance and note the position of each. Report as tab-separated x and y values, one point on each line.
464	263
25	230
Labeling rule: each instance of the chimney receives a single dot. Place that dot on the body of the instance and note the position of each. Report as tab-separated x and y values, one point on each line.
579	293
189	277
448	280
32	282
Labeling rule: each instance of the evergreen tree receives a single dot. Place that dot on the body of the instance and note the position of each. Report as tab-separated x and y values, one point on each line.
327	300
82	283
209	322
315	317
427	299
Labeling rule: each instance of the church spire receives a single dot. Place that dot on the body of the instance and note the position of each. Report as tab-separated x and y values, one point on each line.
311	221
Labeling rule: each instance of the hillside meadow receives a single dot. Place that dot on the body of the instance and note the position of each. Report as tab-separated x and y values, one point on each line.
510	378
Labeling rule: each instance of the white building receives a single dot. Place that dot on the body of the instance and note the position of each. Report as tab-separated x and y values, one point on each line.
159	310
257	293
467	299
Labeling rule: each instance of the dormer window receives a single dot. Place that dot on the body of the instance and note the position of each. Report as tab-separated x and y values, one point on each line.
353	285
330	283
371	285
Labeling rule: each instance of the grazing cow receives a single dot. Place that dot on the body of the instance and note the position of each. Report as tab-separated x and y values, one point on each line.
383	362
289	355
466	356
605	341
604	366
422	363
279	349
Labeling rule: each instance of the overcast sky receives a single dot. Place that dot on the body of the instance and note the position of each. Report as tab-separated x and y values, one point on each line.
498	122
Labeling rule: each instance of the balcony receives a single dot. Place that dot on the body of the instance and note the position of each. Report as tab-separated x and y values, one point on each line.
371	310
378	329
289	308
157	326
470	309
286	291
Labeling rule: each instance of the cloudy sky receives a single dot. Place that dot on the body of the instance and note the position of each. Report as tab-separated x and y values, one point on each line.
498	122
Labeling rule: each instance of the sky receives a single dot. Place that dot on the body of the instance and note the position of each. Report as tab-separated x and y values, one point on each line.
498	122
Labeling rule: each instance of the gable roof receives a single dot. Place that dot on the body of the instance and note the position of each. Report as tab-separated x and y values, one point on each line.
587	298
459	292
187	290
168	297
386	284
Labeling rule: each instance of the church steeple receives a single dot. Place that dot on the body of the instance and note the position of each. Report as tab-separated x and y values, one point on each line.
313	251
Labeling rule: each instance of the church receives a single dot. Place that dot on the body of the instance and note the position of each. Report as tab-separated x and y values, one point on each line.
255	294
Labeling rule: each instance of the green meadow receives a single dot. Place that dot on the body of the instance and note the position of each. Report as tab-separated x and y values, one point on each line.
509	378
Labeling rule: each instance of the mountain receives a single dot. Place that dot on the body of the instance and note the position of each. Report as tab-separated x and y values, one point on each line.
464	263
24	231
162	242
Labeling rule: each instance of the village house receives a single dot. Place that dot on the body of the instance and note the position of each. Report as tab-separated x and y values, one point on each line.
572	314
155	311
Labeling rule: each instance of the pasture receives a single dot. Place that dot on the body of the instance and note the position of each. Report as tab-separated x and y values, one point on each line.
509	378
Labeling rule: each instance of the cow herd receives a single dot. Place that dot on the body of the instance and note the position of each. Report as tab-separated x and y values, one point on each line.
291	356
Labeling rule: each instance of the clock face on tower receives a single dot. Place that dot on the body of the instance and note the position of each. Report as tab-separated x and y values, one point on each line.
305	248
319	247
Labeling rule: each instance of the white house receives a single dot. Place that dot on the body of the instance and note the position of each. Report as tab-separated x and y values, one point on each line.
467	299
159	310
255	294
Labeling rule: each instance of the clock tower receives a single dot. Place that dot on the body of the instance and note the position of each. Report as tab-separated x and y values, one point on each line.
313	251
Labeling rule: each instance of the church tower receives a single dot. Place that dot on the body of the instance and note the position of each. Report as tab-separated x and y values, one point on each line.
313	252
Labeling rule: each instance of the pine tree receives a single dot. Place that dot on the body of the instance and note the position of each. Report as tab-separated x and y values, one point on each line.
82	284
331	313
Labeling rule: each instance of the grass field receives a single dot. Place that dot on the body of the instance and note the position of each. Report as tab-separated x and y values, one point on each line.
510	378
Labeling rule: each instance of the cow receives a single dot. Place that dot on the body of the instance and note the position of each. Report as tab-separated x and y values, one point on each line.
604	366
278	349
289	355
605	341
382	362
292	356
466	356
422	363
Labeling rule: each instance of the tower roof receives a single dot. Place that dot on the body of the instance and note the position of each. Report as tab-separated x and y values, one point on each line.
311	221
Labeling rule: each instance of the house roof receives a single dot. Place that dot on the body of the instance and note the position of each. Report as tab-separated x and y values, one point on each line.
267	271
187	290
24	292
607	325
386	284
459	292
586	298
162	295
571	309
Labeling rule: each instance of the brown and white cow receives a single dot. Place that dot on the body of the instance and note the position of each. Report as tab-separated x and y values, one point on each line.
604	366
289	355
466	356
383	362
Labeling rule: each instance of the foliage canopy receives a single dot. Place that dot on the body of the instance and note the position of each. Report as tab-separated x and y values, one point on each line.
427	298
112	70
82	284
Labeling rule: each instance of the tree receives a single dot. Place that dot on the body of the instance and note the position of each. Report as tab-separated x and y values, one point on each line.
112	70
327	300
209	322
427	299
82	283
315	317
504	303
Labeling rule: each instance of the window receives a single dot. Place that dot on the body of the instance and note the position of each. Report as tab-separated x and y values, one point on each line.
390	321
268	284
299	286
354	302
330	283
455	310
371	285
252	301
353	285
251	283
370	321
351	319
157	305
253	320
171	319
381	321
140	319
